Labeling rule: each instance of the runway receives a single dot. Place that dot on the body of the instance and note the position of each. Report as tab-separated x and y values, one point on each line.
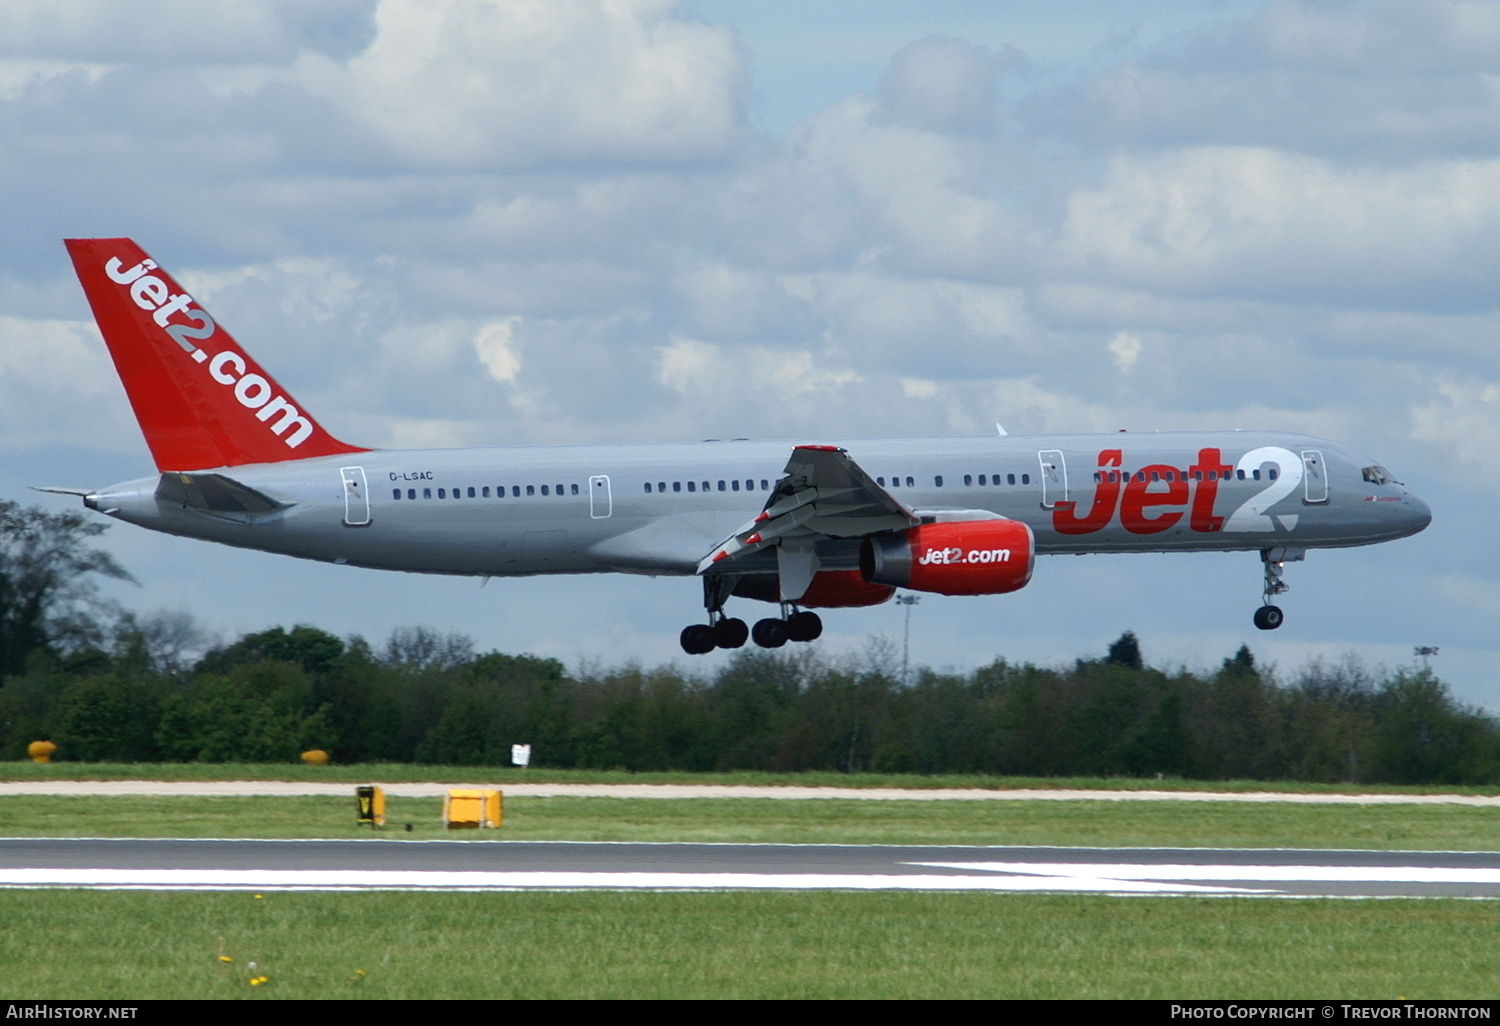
393	864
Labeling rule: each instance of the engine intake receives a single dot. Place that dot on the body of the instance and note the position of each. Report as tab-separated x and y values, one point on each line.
966	557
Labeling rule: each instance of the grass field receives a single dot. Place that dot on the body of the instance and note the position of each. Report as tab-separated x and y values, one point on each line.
135	945
391	773
826	821
738	945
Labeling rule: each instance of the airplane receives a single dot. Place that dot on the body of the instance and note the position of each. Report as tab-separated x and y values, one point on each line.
800	525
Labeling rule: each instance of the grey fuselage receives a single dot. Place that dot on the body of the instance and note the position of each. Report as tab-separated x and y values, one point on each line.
660	508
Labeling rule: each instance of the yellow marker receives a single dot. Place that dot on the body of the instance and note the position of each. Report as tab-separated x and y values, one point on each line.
370	801
470	808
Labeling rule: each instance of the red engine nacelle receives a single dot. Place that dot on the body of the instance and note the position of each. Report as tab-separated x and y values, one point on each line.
965	557
830	589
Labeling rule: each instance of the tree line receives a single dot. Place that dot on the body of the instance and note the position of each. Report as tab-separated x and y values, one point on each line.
106	685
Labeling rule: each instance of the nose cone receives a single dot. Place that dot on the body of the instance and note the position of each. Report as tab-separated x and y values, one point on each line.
1417	513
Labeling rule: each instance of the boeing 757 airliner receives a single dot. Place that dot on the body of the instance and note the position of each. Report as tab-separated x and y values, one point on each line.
799	525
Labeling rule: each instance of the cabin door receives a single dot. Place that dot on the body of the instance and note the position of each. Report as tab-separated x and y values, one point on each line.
600	503
1054	477
356	497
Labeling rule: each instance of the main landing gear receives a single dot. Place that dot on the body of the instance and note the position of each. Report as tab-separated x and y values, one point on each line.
1269	617
729	632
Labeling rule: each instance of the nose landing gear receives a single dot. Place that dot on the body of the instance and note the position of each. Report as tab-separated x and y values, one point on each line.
1269	617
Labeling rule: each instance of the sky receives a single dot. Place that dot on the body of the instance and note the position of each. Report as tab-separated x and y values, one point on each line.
523	222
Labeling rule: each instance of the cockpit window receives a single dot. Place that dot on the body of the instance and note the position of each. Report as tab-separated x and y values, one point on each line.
1378	475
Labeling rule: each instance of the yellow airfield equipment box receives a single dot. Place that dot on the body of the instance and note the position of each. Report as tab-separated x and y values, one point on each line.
467	809
371	802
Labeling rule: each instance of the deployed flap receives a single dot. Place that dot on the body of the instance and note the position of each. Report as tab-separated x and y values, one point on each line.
822	494
214	493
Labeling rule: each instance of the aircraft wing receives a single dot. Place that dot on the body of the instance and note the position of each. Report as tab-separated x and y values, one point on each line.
822	493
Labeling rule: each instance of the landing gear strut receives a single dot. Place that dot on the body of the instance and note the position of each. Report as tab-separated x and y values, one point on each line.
728	632
1269	617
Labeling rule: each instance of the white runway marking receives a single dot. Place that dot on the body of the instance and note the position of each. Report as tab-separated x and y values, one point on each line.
1082	881
1259	874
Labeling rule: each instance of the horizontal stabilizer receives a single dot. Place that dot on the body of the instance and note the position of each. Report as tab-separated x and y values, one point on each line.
214	493
59	490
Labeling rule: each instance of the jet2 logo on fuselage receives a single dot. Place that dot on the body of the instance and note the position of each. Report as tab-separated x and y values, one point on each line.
227	367
1156	497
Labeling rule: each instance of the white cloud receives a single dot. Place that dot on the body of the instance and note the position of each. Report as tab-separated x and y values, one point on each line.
1252	221
512	83
1463	419
496	345
943	85
57	386
1125	347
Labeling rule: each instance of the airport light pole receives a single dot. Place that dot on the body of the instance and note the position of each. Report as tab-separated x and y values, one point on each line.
908	601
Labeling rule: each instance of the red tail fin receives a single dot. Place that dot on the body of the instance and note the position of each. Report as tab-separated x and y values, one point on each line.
201	401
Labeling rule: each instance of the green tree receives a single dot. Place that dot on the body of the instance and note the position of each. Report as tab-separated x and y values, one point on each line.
49	597
1125	652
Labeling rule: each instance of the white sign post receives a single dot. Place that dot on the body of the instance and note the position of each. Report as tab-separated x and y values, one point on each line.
520	755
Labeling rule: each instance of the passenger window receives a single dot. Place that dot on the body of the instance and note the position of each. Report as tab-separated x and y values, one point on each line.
692	486
910	483
676	486
722	486
648	487
938	481
880	481
1009	479
705	486
1155	476
485	491
765	485
471	493
442	494
1255	474
544	489
661	486
411	493
1026	479
969	479
395	493
558	490
426	493
531	489
1271	473
575	489
734	485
